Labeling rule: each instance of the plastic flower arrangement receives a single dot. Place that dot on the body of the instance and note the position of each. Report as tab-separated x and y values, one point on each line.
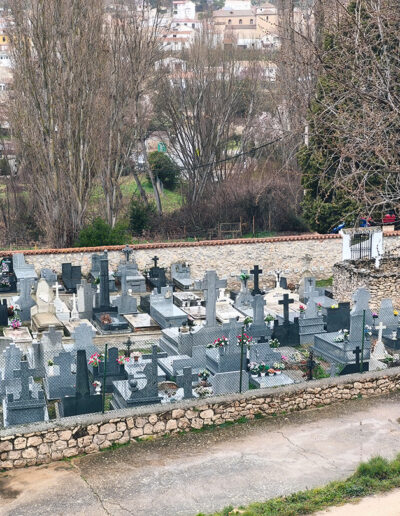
122	359
203	375
254	368
269	318
278	366
220	342
302	309
334	307
274	343
395	313
374	315
247	340
319	306
95	359
15	323
244	276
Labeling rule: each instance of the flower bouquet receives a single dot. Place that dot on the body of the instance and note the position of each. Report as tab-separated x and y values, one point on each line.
95	359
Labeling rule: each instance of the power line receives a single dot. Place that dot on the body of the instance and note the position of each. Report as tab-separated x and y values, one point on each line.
244	153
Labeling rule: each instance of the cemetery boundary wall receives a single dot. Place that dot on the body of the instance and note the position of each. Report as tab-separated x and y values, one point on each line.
293	255
40	443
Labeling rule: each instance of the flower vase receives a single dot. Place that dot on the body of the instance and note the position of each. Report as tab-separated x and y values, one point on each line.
278	372
136	359
254	375
271	374
302	314
221	350
262	373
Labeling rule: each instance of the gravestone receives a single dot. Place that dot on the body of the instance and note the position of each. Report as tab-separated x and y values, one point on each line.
210	286
11	359
126	303
386	315
74	309
131	278
105	315
310	323
338	318
180	274
43	313
258	329
96	270
71	276
227	358
27	407
114	370
84	401
85	295
8	280
287	333
83	339
380	352
156	276
361	299
25	301
23	270
244	298
225	383
341	352
62	311
49	275
60	378
262	352
187	383
307	285
139	390
4	313
163	310
48	347
256	272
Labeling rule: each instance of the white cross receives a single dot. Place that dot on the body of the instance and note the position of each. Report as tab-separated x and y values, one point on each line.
380	329
57	286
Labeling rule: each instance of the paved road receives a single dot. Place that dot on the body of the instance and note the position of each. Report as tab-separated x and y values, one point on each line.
206	471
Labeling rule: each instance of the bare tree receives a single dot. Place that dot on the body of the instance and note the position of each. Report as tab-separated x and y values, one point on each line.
58	54
201	105
130	75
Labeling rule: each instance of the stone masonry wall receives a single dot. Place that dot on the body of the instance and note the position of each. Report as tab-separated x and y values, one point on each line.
45	442
292	254
381	283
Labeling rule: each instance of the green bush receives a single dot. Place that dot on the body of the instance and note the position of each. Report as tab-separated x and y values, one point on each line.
141	216
99	232
164	168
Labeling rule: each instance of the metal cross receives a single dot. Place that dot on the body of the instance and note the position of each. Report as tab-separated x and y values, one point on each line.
357	353
155	260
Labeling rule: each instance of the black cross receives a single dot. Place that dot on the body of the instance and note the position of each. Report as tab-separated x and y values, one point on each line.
357	353
128	345
286	302
310	365
127	252
155	260
256	273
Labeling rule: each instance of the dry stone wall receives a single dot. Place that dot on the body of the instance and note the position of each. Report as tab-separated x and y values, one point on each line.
381	283
45	442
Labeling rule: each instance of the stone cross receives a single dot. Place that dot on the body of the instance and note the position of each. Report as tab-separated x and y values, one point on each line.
127	252
74	311
380	329
65	360
155	260
286	302
104	283
24	373
256	273
258	310
210	285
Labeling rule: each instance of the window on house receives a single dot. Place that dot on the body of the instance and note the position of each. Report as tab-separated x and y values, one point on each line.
251	21
229	22
193	25
4	38
240	22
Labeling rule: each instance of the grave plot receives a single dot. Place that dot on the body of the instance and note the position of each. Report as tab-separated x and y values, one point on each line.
43	314
23	270
95	272
155	277
8	279
163	310
180	275
128	272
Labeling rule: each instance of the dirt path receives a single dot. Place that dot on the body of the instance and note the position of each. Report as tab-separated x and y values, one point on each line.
206	471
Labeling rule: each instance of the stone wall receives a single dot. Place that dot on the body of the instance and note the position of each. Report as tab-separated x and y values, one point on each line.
45	442
382	283
293	254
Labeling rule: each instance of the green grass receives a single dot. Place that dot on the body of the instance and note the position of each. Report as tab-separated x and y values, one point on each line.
259	234
324	282
375	476
170	200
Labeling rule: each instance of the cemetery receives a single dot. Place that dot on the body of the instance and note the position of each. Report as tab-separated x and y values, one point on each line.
121	338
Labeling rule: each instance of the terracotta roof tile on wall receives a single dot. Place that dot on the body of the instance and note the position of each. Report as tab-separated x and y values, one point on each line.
202	243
